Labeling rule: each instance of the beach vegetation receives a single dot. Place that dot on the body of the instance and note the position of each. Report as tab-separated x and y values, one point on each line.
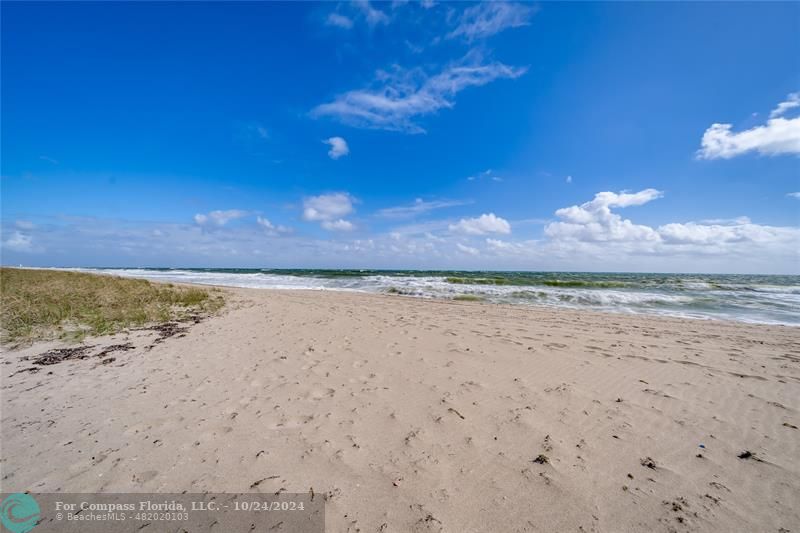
55	304
467	298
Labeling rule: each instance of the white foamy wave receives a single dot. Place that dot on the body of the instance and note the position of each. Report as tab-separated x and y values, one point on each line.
688	298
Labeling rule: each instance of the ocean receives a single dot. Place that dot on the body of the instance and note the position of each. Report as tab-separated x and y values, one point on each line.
746	298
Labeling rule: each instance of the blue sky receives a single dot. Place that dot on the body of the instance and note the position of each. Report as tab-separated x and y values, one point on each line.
551	136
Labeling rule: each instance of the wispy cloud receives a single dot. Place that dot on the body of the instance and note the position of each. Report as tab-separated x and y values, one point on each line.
19	242
397	98
339	21
347	14
778	136
488	174
372	15
467	249
489	18
338	146
792	101
270	228
419	207
795	195
219	217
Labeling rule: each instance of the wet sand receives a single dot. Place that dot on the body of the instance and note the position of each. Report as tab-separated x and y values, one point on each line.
421	415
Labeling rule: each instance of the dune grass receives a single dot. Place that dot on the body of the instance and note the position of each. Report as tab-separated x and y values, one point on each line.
48	304
467	298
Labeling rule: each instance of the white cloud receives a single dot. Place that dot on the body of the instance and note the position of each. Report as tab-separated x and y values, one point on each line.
337	225
270	228
499	245
418	207
716	234
467	249
486	223
593	221
737	245
727	221
19	242
568	179
486	174
792	101
488	18
339	21
328	209
397	98
594	224
327	206
778	136
219	218
338	146
793	195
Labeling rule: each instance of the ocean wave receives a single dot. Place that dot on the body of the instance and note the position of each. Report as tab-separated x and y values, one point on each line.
759	299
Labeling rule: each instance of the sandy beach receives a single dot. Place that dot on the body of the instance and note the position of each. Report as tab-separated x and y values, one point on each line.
419	415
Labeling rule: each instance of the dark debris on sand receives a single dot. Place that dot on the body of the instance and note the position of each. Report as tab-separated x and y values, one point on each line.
59	355
649	463
116	348
173	329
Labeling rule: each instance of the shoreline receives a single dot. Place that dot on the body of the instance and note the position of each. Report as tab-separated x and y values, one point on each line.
423	416
590	308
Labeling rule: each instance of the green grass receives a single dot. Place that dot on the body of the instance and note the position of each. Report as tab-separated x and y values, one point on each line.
467	298
48	304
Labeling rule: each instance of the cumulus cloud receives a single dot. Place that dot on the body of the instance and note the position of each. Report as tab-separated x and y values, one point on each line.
467	249
418	207
488	18
338	146
337	225
792	101
218	218
486	223
777	137
329	210
398	97
593	221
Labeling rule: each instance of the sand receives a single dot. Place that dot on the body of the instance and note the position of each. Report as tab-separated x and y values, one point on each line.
419	415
